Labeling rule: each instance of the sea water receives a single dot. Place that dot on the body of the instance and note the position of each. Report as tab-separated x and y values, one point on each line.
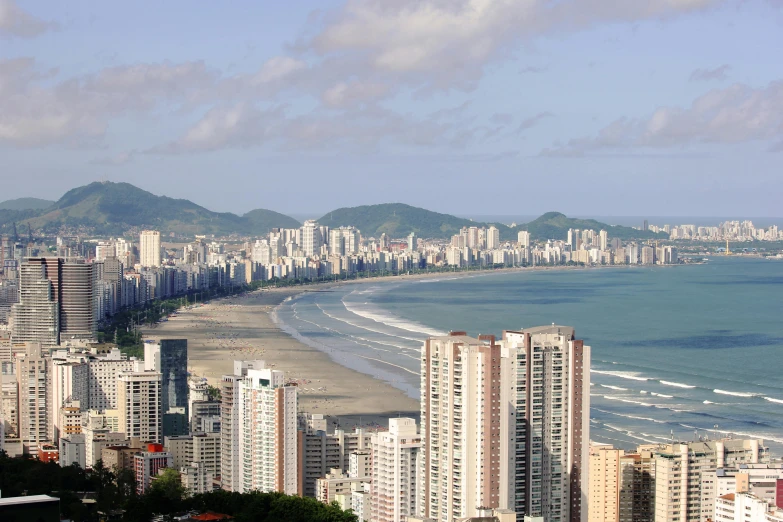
677	352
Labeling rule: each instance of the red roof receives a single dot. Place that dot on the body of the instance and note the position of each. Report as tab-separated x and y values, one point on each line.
211	516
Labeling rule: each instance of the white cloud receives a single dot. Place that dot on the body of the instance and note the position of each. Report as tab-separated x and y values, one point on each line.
736	114
365	53
447	44
16	22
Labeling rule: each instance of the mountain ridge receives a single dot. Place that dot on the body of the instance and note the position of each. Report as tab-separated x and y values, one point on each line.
108	208
25	204
113	209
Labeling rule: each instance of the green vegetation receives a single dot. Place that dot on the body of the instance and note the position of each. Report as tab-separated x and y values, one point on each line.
25	204
399	220
113	208
116	490
554	225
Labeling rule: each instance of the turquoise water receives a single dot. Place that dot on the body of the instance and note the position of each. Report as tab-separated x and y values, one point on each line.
675	350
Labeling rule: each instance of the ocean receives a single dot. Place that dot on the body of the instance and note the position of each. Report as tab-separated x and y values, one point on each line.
677	352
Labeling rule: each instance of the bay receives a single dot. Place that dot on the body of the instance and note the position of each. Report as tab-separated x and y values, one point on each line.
678	352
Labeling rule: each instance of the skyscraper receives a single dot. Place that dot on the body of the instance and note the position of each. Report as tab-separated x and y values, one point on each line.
230	417
493	238
169	357
460	425
505	424
34	378
77	313
394	456
268	437
149	248
547	403
36	316
311	238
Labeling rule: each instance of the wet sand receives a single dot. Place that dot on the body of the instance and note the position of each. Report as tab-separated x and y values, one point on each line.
241	328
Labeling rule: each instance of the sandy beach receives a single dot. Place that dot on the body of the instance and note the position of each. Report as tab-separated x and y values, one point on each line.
241	328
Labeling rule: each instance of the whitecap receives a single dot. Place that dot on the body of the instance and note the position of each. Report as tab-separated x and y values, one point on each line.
623	375
613	387
736	394
677	384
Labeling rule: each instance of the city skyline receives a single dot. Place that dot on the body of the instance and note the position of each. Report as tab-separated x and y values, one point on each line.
524	95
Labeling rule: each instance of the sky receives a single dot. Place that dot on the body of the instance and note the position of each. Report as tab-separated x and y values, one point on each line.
485	107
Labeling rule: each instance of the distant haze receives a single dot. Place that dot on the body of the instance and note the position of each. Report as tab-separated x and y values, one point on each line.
637	221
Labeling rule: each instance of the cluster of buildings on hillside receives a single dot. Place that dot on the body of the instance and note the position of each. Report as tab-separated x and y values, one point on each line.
503	435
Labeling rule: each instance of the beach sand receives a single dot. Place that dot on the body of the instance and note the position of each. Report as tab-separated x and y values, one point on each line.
241	328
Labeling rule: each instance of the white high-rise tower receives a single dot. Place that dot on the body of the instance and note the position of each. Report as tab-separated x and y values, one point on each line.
149	248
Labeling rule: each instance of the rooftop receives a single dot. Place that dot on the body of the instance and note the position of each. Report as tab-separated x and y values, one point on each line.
31	499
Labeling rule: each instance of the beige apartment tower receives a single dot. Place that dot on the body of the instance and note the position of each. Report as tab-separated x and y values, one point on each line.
139	405
34	409
505	425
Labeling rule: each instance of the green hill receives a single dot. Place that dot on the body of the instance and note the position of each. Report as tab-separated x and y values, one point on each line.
397	220
26	204
554	225
113	208
262	220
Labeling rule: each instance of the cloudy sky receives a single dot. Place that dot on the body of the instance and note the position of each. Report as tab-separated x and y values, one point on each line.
659	107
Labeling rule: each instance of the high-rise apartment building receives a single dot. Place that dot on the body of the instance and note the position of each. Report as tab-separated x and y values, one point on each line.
505	424
311	238
321	451
680	467
603	239
637	485
34	409
230	418
549	404
70	386
149	248
139	405
169	357
103	374
77	310
460	425
605	479
268	441
36	316
493	238
203	448
147	463
394	460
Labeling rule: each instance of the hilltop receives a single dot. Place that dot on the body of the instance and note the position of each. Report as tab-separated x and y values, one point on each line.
554	225
112	209
397	220
108	208
25	204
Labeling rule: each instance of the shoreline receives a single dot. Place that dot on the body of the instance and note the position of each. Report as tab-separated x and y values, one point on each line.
244	327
